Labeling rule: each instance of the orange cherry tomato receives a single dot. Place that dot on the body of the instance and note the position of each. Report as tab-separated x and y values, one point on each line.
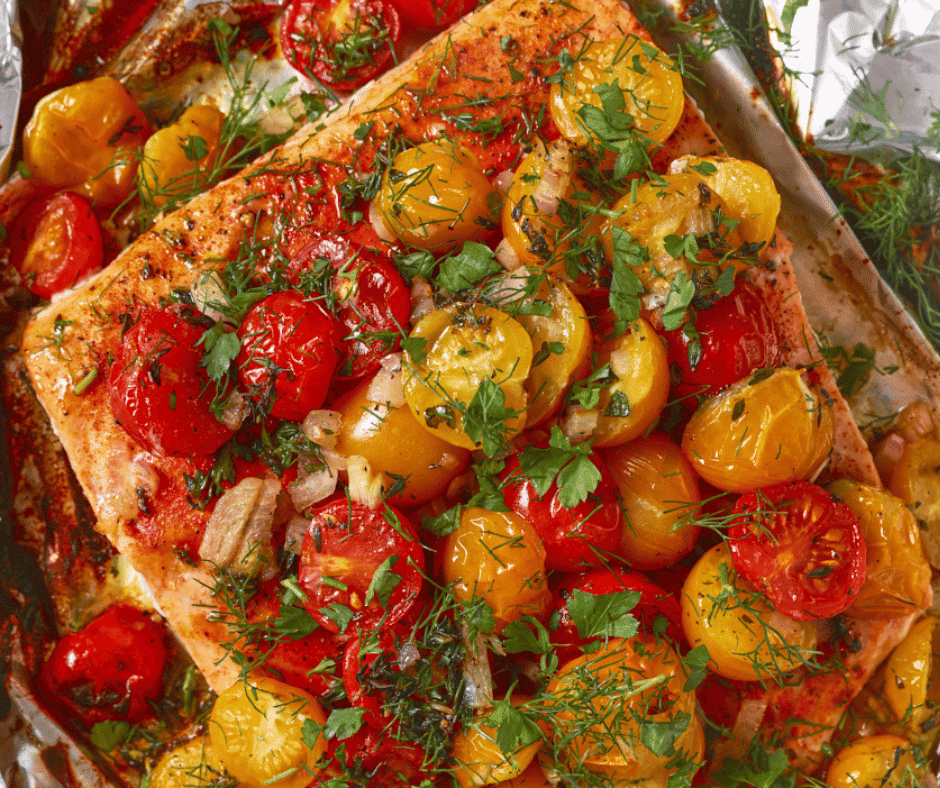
55	241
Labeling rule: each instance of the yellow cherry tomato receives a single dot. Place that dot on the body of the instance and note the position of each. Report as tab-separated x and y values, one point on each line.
180	160
912	677
561	341
916	481
393	442
479	760
466	384
265	728
86	138
897	581
635	72
767	429
658	493
883	761
192	763
499	558
638	385
745	639
435	195
598	703
671	205
747	190
550	214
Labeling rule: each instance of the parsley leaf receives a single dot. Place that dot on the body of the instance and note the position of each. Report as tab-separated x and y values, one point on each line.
604	615
569	465
681	293
310	732
514	730
625	285
486	417
221	350
294	622
472	263
108	734
342	723
383	582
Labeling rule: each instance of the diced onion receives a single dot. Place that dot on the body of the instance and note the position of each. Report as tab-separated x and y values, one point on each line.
322	427
378	223
745	729
365	487
209	295
580	424
387	386
422	298
313	488
478	689
238	536
554	182
507	256
235	410
294	534
504	181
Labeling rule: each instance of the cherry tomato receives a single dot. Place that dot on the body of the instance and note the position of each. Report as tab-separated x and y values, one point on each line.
55	241
432	14
574	538
801	546
373	303
159	391
360	562
381	758
730	340
884	760
192	763
259	729
288	353
341	43
111	669
654	602
301	663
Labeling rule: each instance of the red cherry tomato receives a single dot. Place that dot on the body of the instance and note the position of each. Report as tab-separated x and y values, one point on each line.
734	338
373	757
54	242
305	663
373	304
585	535
654	602
360	563
801	547
433	14
341	43
288	343
109	670
159	391
368	662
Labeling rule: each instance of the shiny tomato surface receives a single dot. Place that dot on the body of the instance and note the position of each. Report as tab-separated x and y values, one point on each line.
109	670
55	241
801	546
432	14
288	353
575	537
340	43
730	340
158	389
360	563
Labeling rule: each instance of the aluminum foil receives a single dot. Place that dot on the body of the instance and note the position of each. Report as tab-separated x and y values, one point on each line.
869	72
11	80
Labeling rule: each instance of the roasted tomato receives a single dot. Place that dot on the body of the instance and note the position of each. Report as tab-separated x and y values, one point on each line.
599	703
111	669
746	639
341	43
373	304
55	241
382	758
768	429
659	494
267	733
288	353
576	536
360	563
433	14
158	389
86	138
730	340
497	557
800	546
654	603
194	762
305	662
884	760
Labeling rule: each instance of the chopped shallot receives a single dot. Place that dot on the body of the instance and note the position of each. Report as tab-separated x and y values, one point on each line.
551	188
322	427
238	535
312	487
294	534
478	690
209	296
378	223
422	298
365	487
387	387
579	424
507	256
235	410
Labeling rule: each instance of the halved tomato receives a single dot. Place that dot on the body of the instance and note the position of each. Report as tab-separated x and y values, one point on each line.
801	546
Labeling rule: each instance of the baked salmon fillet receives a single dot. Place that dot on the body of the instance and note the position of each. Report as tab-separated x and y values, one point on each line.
485	83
